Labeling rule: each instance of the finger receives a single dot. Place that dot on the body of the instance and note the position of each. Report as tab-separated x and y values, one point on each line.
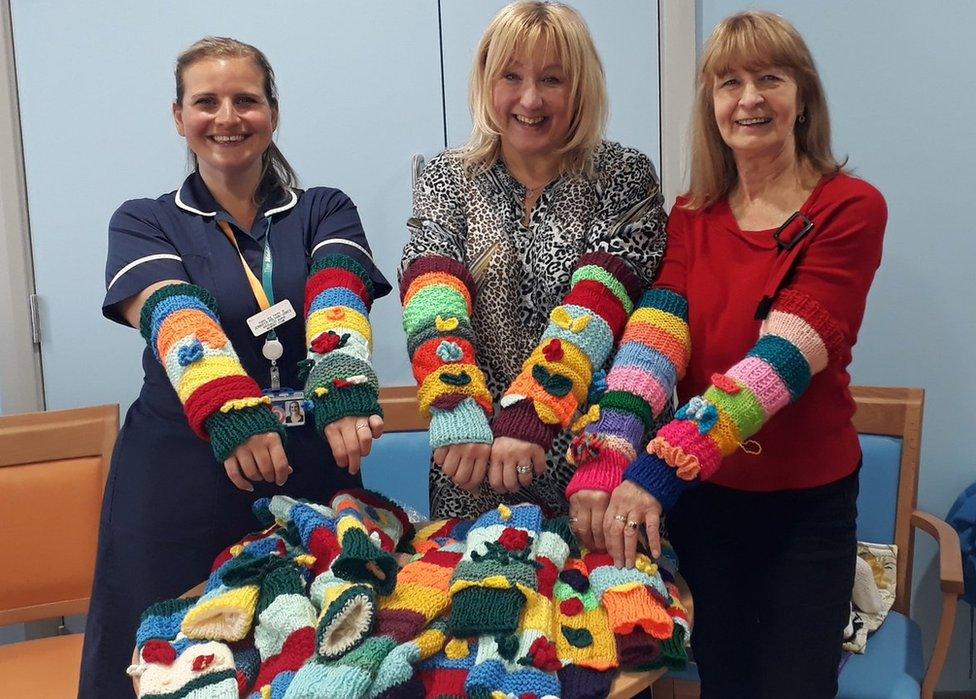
338	445
496	467
246	461
584	527
599	540
233	470
440	453
451	462
613	532
630	540
539	461
652	523
262	457
463	475
365	436
479	471
280	462
376	426
351	441
524	479
510	476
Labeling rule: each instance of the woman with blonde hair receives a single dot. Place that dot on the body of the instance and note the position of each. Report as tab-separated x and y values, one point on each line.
528	248
760	297
208	434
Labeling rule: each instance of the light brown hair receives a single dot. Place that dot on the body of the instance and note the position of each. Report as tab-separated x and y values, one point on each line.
753	40
276	172
521	26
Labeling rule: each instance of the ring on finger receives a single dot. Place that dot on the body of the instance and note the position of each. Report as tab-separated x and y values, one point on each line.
362	425
632	525
573	520
620	518
523	468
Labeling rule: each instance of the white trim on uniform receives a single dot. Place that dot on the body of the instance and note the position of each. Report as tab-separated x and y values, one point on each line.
343	241
142	260
294	200
179	203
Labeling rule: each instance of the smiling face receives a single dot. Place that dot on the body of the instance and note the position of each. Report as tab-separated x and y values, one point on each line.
756	110
225	115
532	104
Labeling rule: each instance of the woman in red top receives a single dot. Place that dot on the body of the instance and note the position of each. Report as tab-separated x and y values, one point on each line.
770	257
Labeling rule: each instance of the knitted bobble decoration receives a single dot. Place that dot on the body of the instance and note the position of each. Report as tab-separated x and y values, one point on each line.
341	381
222	403
797	340
201	670
438	298
489	585
653	357
556	378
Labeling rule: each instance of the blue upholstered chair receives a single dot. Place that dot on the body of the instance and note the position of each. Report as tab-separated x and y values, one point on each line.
889	421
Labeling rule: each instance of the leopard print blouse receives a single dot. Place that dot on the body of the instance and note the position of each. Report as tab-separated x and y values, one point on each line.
523	271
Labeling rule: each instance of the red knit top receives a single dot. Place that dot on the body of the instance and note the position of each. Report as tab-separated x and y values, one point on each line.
721	270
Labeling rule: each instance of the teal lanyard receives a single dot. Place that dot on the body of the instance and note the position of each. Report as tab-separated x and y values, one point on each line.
267	269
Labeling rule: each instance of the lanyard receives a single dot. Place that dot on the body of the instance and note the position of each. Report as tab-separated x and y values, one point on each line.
263	293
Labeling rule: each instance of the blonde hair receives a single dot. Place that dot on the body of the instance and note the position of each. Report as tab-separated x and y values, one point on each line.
521	26
276	172
753	40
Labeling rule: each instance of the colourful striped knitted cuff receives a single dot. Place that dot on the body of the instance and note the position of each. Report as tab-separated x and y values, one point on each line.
616	266
160	296
332	278
521	421
343	262
595	338
462	331
629	403
466	423
654	475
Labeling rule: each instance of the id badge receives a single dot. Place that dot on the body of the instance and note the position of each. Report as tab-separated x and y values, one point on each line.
270	318
288	406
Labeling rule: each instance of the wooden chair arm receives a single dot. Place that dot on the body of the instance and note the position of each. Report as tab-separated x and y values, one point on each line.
950	555
950	576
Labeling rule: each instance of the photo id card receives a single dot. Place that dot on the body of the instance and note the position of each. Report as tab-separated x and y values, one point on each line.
288	406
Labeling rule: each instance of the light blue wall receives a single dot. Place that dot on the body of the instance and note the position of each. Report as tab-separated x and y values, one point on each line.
899	77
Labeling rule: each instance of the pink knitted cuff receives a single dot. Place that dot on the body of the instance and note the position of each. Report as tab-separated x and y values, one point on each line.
605	474
520	421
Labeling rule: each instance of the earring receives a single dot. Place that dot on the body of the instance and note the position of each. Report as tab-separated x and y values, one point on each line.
802	118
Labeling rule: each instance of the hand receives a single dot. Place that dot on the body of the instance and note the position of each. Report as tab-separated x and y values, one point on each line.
508	455
351	438
260	458
631	503
586	510
465	464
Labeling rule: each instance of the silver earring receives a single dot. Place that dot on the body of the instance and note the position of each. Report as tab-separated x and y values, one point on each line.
802	118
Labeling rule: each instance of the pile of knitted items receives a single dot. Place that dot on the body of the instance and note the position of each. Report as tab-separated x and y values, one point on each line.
653	356
438	299
506	605
798	339
222	403
341	381
556	378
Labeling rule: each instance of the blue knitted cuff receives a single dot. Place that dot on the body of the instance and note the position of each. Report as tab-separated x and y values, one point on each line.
466	423
654	475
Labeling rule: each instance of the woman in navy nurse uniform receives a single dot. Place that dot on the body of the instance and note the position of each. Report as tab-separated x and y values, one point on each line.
189	269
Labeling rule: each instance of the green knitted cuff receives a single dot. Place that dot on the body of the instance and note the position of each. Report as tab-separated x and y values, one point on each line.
347	263
359	399
466	423
231	429
345	622
358	560
622	400
482	610
673	653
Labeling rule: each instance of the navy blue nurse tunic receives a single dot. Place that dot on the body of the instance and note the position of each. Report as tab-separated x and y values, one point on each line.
169	507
